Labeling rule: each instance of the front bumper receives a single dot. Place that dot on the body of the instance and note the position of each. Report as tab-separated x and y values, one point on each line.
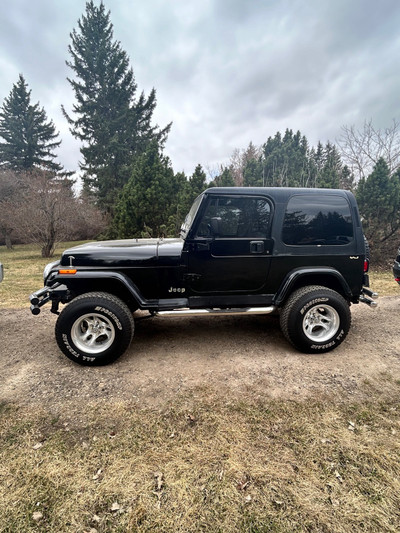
56	293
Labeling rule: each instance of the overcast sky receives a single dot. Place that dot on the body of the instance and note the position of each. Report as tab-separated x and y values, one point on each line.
226	72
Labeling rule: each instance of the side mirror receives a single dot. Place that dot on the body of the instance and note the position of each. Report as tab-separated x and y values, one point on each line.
215	226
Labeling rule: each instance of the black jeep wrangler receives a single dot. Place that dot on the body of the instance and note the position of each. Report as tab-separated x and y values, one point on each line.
299	252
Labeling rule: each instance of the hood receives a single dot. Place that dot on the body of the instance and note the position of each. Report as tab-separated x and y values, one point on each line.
125	253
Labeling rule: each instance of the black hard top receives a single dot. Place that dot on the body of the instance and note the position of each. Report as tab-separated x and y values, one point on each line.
278	193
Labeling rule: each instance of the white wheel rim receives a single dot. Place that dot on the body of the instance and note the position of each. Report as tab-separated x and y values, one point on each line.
93	333
321	323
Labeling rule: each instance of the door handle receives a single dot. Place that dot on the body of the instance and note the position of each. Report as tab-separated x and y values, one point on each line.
256	247
202	246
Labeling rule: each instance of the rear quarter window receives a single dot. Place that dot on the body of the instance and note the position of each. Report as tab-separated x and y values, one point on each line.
317	220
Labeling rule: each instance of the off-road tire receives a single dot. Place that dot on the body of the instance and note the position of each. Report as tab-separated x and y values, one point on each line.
315	319
94	329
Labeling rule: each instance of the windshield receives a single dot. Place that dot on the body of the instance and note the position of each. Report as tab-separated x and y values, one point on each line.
190	216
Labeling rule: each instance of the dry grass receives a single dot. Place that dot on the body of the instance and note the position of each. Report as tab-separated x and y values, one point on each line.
382	281
205	463
24	274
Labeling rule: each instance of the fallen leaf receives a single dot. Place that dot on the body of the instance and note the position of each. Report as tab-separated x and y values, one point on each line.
115	507
37	446
338	476
159	476
243	483
278	503
37	516
97	474
192	420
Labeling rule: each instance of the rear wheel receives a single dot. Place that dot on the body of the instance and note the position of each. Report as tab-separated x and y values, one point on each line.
315	319
94	329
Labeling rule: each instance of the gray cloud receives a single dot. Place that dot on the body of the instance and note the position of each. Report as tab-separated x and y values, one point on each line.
225	72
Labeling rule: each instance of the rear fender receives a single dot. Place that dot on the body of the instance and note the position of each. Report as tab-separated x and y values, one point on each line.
325	276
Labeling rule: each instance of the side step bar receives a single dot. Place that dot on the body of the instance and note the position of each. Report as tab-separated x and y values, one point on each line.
220	312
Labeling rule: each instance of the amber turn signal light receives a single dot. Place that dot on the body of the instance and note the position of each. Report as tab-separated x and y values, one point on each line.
67	271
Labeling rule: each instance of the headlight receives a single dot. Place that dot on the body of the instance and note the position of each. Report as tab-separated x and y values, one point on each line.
48	268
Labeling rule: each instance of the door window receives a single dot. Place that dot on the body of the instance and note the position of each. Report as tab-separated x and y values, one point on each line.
239	217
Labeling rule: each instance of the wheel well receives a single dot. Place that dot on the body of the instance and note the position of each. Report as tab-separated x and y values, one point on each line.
327	281
111	286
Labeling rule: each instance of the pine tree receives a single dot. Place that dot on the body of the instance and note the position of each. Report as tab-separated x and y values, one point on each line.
224	179
378	199
188	190
146	202
29	138
330	173
113	125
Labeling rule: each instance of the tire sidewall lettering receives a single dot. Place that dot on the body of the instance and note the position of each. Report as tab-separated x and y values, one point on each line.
69	347
311	303
110	314
330	344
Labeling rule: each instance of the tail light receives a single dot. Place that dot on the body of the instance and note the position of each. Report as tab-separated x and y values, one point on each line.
366	266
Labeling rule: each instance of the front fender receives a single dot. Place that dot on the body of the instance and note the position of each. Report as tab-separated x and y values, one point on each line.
124	281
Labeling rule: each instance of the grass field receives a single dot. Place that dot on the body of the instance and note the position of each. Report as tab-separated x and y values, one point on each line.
204	462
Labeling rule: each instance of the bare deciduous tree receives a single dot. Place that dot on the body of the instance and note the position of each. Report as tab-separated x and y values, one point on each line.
239	160
362	148
46	212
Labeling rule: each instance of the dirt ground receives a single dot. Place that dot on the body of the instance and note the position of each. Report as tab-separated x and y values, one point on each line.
170	356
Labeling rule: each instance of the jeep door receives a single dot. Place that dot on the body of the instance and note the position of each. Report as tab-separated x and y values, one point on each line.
230	247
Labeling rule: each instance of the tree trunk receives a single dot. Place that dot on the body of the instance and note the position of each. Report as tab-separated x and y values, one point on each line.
8	240
48	249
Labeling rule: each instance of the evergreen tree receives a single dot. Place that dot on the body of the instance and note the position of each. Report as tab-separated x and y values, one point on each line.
378	199
29	138
329	175
113	125
224	179
146	202
188	189
285	161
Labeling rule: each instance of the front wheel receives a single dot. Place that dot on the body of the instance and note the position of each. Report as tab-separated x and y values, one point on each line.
315	319
94	329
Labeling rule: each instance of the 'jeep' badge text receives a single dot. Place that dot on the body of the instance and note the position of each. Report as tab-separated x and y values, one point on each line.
176	289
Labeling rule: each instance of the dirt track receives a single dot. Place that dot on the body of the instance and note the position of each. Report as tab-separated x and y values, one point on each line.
169	356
